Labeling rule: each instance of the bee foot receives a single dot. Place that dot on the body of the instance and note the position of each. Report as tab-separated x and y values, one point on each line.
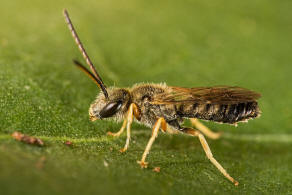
123	150
112	134
143	164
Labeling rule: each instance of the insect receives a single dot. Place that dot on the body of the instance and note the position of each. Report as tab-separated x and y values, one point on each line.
165	108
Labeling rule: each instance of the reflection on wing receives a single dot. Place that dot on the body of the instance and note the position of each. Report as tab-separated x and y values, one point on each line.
209	95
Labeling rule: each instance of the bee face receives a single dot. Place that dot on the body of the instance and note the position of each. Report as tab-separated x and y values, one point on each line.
115	106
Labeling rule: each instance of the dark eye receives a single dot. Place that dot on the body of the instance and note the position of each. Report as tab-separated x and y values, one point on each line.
110	109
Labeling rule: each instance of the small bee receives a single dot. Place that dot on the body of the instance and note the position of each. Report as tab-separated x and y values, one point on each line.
165	108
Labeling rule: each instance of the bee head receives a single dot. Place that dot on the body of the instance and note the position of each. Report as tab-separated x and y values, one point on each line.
116	105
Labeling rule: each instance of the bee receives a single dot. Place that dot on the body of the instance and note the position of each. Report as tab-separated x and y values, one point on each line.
164	108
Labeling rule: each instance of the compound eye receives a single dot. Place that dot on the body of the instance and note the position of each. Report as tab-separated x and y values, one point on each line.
110	109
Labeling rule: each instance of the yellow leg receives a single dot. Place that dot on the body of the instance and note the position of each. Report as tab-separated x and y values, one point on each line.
127	122
117	134
205	130
160	122
209	154
130	120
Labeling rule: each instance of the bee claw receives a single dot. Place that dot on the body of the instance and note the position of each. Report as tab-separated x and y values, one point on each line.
143	164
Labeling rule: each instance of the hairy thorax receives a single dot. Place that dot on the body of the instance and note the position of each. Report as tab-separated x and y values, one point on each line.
142	96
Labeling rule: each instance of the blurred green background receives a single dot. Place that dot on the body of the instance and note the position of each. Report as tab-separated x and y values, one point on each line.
183	43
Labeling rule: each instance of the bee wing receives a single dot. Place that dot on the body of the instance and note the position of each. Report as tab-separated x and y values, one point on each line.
209	95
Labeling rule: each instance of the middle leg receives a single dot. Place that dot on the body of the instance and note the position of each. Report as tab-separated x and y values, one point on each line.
159	123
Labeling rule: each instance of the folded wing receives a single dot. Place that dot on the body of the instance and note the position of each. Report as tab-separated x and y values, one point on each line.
206	95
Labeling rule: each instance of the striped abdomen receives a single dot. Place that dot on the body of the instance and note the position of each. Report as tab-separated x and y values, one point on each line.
231	113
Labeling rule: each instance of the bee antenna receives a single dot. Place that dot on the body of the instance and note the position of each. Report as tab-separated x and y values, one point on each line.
100	83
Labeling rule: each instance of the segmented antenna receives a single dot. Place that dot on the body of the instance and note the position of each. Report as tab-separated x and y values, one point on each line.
86	71
85	56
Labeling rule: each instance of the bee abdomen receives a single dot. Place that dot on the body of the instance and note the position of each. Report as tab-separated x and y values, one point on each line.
226	113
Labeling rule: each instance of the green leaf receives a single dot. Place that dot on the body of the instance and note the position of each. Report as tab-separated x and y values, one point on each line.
183	43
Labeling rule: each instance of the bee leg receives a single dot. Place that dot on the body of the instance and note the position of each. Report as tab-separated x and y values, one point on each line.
130	117
205	130
117	134
127	122
208	152
159	123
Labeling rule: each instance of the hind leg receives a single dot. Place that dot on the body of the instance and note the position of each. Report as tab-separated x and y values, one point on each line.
208	152
205	130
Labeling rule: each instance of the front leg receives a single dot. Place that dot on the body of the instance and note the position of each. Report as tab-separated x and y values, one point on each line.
133	110
130	120
117	134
